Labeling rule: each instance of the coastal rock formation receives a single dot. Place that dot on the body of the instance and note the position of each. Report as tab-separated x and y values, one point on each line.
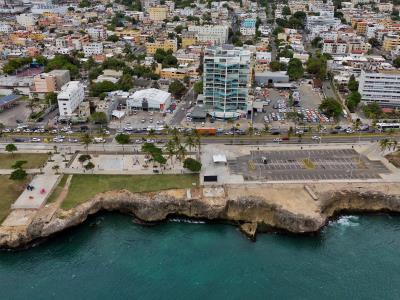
254	208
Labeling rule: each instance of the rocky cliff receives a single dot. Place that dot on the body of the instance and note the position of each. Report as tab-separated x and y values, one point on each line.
254	209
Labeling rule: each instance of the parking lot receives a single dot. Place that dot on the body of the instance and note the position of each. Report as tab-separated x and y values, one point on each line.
20	112
306	165
141	119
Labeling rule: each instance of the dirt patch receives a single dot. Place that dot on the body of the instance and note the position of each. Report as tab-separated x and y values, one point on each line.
394	159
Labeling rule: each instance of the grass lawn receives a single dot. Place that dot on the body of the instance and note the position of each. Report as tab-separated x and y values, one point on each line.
10	190
84	187
308	164
34	160
58	189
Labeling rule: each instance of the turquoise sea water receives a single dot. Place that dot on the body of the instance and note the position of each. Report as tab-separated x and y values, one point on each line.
110	257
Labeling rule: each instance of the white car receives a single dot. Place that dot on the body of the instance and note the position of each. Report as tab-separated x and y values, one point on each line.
35	140
277	140
99	140
316	138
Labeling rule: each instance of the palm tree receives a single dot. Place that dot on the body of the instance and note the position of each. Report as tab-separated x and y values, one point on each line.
250	130
56	168
181	152
86	140
189	142
383	144
170	150
394	144
151	133
197	141
266	128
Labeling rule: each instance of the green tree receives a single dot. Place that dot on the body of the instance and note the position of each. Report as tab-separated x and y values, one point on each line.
122	139
316	65
331	107
18	174
286	11
295	69
113	38
51	98
198	87
84	157
169	149
396	62
18	164
11	148
353	100
372	110
86	140
316	42
374	42
352	84
177	88
99	117
89	166
274	66
192	164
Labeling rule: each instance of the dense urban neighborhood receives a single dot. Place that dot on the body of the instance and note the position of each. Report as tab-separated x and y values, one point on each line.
142	96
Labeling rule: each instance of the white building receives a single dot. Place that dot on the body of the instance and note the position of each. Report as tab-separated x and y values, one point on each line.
5	28
97	33
149	99
92	49
248	27
332	47
217	34
382	87
69	98
26	20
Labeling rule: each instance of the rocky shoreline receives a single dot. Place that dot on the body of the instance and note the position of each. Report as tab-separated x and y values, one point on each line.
293	208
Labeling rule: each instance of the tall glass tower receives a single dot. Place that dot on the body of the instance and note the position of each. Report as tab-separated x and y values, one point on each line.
226	78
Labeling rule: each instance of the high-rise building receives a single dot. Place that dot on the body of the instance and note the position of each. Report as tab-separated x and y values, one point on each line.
71	95
226	78
382	87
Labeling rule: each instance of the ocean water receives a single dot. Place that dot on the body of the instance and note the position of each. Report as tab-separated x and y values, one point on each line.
110	257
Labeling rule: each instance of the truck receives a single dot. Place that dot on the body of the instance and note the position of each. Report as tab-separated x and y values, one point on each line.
206	131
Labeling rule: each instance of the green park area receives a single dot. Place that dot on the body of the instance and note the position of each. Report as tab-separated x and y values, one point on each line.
84	187
10	190
34	160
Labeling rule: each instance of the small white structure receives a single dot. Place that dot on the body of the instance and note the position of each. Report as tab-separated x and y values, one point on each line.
71	95
149	99
219	158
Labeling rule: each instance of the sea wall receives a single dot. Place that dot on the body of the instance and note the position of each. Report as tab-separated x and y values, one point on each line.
287	208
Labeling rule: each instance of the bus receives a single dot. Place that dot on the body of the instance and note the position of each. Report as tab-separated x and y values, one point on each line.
385	126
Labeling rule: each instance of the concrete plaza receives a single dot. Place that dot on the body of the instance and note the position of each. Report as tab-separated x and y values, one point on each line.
43	186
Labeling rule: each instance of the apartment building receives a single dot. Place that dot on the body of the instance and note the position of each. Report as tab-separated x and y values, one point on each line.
5	28
69	98
215	34
165	44
97	33
92	49
61	76
26	20
390	42
188	39
158	13
382	87
248	27
45	83
332	47
226	78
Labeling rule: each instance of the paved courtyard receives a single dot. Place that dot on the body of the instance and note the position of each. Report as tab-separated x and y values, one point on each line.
37	197
306	165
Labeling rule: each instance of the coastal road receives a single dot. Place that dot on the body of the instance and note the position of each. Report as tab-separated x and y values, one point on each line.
237	140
